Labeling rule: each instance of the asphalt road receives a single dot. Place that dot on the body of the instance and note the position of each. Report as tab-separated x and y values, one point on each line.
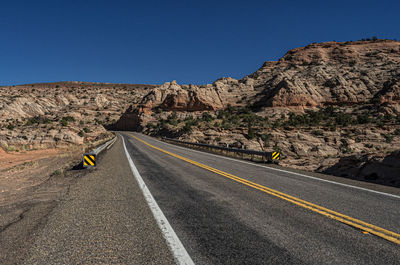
222	220
104	219
223	211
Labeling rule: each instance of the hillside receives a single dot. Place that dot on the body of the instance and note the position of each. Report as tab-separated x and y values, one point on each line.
329	107
47	115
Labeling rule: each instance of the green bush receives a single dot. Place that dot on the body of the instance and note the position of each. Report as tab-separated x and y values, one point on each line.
37	120
388	138
10	127
250	133
343	119
86	130
64	123
317	133
187	127
363	119
266	138
172	119
207	117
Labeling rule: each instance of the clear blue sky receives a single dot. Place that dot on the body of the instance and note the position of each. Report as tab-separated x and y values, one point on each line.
158	41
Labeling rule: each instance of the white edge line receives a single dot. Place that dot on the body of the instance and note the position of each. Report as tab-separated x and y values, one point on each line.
178	250
281	170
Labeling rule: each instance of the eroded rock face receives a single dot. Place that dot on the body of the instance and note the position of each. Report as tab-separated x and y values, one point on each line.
31	116
173	97
331	73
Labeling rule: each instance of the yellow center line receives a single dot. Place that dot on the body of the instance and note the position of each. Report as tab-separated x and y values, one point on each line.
378	231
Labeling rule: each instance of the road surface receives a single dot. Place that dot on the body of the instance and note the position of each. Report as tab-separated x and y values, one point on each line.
223	211
223	221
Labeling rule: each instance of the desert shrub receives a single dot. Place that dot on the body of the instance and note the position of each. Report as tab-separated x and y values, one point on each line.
396	132
81	133
86	130
380	123
64	123
207	117
37	120
317	133
343	119
375	101
388	117
276	124
294	120
69	118
315	117
10	126
388	138
251	133
266	138
187	128
363	118
172	119
225	125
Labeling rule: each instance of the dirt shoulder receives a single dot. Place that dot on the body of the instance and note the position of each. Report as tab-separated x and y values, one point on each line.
31	183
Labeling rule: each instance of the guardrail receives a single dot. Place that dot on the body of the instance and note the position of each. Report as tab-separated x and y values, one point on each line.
233	152
103	146
89	159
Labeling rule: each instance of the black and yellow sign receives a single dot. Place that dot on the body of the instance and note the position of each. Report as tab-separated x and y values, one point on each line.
275	155
89	160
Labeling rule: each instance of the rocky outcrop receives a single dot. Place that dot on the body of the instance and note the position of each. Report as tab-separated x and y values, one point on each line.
378	169
47	115
330	73
361	80
173	97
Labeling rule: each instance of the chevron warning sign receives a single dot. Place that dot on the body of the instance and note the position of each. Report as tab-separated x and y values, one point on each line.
89	160
275	155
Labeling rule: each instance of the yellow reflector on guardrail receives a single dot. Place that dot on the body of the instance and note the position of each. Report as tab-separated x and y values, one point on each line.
89	160
275	155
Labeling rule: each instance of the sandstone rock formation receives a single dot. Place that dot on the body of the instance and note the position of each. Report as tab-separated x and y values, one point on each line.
361	80
59	114
330	73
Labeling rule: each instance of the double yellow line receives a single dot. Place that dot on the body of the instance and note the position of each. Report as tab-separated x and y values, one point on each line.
378	231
